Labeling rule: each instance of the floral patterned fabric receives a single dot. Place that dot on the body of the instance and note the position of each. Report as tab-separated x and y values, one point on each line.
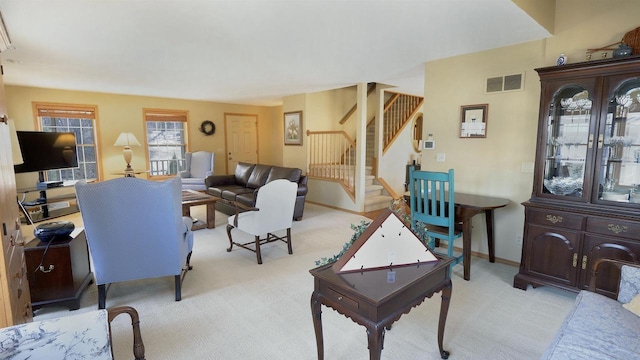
83	336
629	283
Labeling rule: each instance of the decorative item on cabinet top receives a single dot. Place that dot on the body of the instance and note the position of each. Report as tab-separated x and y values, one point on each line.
632	38
630	44
562	59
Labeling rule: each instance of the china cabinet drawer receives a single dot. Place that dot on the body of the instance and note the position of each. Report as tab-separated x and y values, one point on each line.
556	219
614	227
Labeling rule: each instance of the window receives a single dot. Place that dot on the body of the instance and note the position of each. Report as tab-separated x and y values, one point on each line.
166	140
80	120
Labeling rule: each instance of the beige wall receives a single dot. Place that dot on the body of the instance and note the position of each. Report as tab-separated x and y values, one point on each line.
542	11
499	165
119	113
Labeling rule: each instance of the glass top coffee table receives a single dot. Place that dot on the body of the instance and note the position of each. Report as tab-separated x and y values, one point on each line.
192	198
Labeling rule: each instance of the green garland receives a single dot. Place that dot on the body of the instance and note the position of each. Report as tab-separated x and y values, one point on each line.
358	230
420	229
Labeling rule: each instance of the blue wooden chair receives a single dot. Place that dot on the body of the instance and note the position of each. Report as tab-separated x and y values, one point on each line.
431	197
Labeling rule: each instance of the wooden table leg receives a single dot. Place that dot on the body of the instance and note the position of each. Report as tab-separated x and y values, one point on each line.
186	210
316	314
375	336
490	243
211	215
444	310
466	246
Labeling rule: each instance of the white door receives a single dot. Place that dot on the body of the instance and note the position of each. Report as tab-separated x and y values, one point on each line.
242	139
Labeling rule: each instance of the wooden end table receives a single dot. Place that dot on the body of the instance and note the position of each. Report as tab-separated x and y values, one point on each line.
375	299
192	198
58	271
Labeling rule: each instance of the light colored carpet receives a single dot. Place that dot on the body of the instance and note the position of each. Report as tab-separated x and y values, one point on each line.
232	308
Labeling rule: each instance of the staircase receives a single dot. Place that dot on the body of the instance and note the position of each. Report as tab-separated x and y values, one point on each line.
331	152
375	196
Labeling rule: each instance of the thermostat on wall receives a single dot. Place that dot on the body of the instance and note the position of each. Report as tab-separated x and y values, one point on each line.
429	144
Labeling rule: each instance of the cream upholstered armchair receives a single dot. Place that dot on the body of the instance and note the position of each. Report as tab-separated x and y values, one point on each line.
135	230
198	166
273	211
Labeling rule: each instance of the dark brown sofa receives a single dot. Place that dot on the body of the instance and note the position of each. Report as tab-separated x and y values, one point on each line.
243	186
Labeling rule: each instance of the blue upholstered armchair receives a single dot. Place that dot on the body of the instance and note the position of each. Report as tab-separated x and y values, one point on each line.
135	230
199	165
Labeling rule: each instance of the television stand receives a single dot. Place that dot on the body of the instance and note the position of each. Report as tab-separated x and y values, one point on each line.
46	206
49	184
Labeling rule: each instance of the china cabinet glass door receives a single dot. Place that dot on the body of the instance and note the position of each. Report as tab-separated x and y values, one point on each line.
619	145
568	141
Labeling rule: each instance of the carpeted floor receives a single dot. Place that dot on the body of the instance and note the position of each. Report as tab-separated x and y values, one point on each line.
232	308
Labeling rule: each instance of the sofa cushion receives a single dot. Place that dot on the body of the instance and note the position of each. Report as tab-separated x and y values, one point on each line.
243	171
217	191
258	176
247	199
596	328
290	174
230	194
629	283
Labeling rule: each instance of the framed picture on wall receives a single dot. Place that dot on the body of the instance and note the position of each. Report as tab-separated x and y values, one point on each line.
293	128
473	121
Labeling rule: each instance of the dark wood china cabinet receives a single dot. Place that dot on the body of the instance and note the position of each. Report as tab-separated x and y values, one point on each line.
585	203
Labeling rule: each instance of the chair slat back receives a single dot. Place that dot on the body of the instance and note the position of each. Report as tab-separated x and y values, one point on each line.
431	197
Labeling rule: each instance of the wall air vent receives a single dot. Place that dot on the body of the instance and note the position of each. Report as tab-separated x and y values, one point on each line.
513	82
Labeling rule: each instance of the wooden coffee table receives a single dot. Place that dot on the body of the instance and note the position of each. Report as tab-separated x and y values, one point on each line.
192	198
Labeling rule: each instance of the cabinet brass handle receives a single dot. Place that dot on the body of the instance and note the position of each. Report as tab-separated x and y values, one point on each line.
554	219
584	262
600	141
575	259
590	145
617	228
51	267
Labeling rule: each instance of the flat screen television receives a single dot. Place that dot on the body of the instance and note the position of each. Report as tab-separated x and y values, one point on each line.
46	151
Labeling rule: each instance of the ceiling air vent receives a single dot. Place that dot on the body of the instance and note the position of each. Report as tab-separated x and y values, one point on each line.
514	82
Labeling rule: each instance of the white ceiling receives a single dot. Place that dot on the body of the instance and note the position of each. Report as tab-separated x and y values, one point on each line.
246	51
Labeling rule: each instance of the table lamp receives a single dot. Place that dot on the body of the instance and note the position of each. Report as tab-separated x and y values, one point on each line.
127	139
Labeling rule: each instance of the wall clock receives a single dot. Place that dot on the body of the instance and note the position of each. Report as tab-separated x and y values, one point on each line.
208	127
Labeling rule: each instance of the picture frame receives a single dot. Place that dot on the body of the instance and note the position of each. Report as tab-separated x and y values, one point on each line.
473	121
293	128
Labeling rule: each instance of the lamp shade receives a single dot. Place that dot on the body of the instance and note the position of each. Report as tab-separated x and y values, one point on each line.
16	153
126	139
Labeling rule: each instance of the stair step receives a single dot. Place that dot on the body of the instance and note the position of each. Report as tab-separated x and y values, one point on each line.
372	190
377	202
